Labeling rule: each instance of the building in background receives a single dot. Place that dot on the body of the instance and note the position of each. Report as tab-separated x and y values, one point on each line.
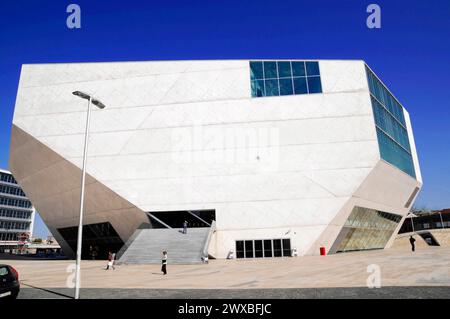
426	220
16	214
261	158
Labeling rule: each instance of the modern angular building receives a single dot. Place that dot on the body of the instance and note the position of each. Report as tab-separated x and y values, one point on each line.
261	158
16	214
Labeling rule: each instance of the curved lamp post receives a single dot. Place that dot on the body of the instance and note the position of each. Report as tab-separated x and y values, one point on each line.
100	105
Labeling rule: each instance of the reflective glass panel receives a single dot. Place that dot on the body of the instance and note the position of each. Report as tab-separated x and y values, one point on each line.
314	85
270	70
300	86
284	69
286	87
298	68
258	88
256	70
271	78
272	88
312	68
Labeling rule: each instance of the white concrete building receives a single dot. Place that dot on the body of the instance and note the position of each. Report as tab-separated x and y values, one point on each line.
282	155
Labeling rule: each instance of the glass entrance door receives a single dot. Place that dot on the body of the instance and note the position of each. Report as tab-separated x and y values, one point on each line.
266	248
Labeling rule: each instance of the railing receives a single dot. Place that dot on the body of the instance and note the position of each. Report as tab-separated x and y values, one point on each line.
198	217
212	229
158	220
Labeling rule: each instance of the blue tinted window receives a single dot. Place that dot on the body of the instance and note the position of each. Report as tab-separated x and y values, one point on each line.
298	68
270	70
273	78
392	153
314	85
256	70
284	69
312	68
390	123
300	86
258	88
286	87
271	87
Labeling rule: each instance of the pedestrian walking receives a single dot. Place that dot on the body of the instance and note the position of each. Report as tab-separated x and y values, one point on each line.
412	242
185	224
110	263
164	263
113	261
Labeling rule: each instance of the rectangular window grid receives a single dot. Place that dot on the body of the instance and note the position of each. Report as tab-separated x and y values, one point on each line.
367	229
391	128
263	248
278	78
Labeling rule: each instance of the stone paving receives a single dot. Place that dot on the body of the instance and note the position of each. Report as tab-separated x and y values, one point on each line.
292	293
399	268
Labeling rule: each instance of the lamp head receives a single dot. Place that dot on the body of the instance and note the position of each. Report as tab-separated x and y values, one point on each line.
86	96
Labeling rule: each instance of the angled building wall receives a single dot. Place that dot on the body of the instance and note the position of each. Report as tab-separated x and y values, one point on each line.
189	135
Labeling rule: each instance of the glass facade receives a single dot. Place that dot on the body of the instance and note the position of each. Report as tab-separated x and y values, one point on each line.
10	190
9	225
16	211
23	203
11	213
263	248
390	124
9	237
366	229
433	220
278	78
8	178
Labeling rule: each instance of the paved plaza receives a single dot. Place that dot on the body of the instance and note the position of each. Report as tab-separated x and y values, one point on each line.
277	277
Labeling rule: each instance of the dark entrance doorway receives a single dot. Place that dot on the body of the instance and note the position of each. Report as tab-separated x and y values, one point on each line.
101	237
175	219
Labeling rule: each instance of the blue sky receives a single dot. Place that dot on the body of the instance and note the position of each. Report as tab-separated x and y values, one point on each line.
410	52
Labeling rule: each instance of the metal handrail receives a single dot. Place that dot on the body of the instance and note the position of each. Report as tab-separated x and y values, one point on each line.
158	220
212	229
199	218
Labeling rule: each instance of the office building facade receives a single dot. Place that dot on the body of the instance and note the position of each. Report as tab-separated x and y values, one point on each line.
16	213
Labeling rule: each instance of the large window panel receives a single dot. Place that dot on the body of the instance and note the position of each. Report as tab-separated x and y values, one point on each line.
393	140
256	70
286	87
298	68
300	86
284	69
281	78
367	229
314	85
249	249
258	88
270	70
240	249
268	248
272	88
312	68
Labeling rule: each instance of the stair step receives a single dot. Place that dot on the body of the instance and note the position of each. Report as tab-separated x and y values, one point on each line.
146	245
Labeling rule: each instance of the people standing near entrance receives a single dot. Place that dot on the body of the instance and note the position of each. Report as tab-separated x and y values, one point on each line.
164	263
113	261
412	241
110	264
185	224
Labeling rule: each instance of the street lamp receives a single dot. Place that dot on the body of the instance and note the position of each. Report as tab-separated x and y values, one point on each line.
100	105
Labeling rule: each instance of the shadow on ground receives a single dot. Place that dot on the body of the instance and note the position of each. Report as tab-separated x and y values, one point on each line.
30	292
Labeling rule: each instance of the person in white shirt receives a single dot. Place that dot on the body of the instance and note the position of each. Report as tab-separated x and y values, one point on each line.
164	263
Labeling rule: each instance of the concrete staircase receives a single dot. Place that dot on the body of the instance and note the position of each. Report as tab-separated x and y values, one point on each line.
146	245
